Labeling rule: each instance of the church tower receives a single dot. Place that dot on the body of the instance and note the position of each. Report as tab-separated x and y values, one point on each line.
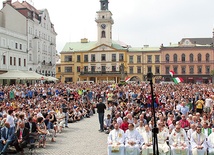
104	24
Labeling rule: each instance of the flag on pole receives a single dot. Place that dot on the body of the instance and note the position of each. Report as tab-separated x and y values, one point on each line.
172	73
127	79
178	80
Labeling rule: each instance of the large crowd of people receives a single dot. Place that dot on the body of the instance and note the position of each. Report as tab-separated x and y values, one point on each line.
184	115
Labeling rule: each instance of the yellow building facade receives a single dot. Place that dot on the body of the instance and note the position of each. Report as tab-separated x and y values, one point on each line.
101	60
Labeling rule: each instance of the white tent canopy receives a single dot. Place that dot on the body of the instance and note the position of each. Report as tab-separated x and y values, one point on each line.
36	76
50	78
22	75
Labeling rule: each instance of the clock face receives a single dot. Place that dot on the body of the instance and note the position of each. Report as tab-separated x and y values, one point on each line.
103	26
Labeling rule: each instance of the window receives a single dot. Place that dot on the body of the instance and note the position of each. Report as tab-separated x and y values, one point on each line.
20	62
68	79
103	34
175	69
199	69
93	68
68	69
85	68
78	69
149	58
120	57
4	59
113	68
183	58
103	68
24	62
191	69
16	45
183	70
167	70
113	57
131	69
20	46
199	57
207	69
59	69
167	57
157	70
11	61
103	57
139	70
68	58
138	59
149	69
131	59
93	58
175	58
85	58
191	57
78	58
207	57
157	58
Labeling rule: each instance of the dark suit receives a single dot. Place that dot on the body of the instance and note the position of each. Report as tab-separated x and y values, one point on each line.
34	128
7	135
25	139
33	132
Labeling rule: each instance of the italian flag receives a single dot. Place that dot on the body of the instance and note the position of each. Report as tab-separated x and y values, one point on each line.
178	80
172	73
127	79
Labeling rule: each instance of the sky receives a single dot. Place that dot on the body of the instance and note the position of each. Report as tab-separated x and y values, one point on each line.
136	22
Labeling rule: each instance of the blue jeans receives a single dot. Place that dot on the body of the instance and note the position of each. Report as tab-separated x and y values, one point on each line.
3	147
101	120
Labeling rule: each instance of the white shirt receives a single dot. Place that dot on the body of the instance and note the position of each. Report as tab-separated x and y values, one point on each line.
208	102
10	120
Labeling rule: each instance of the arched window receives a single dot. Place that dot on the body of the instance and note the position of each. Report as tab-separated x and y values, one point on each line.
183	58
199	57
207	57
167	57
103	34
191	57
175	57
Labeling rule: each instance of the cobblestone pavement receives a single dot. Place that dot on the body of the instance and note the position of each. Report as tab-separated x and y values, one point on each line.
81	138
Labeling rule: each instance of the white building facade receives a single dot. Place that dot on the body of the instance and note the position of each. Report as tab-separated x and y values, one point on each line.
32	37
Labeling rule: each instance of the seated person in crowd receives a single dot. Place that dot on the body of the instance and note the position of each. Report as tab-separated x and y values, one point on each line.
162	137
210	142
116	141
178	141
61	119
107	123
7	137
133	141
147	148
124	125
191	130
22	138
198	142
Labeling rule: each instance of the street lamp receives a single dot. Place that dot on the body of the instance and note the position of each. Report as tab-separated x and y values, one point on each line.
155	129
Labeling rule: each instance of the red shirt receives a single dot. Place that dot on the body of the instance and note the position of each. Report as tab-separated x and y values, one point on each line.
124	126
184	123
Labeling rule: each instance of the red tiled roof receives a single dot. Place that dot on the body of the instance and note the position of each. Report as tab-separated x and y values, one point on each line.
23	5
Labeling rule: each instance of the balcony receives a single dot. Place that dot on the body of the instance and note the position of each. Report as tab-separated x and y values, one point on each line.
100	73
